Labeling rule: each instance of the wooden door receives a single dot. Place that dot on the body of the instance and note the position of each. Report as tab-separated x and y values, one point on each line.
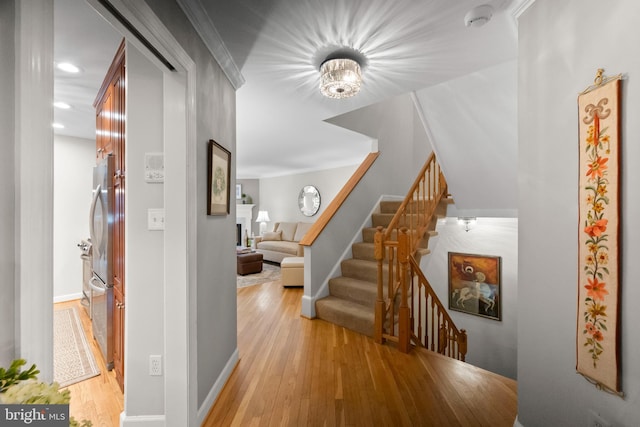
110	129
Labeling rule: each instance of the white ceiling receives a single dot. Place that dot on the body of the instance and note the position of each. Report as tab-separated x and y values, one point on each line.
278	45
83	38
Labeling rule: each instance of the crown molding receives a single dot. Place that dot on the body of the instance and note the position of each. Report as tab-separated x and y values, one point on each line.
518	7
200	20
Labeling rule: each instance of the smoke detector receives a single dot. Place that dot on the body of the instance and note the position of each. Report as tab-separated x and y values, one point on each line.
478	16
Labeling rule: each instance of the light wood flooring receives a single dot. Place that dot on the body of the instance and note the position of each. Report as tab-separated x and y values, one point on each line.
299	372
97	399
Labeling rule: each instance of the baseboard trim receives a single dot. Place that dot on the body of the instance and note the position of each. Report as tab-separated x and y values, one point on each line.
142	420
213	394
65	298
308	309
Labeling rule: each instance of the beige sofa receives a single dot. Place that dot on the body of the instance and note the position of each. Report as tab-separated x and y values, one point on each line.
282	242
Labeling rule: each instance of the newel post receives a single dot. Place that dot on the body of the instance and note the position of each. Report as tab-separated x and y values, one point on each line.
404	314
378	252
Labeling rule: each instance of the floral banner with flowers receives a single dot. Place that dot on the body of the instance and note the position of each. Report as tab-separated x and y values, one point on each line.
598	241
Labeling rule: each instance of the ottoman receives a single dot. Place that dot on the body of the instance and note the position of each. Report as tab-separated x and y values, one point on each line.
292	271
249	263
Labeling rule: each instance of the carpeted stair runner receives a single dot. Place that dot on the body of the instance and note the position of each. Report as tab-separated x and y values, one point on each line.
352	298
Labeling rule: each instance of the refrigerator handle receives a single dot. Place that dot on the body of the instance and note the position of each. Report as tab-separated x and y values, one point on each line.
92	211
98	289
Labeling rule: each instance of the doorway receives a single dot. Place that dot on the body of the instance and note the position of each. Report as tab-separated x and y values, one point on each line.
179	127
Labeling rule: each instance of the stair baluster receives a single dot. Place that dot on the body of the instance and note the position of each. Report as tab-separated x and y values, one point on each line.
398	244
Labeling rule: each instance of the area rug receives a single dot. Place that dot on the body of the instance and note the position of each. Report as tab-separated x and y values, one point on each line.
73	360
270	273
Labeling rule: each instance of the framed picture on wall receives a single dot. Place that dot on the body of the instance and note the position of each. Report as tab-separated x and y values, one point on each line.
219	179
474	285
238	191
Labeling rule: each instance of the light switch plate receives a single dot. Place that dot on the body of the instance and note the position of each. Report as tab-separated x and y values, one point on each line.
155	219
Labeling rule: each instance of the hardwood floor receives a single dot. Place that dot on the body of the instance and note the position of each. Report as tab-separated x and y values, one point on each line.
97	399
299	372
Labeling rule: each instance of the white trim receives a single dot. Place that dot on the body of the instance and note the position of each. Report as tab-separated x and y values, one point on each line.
213	394
211	38
34	183
68	297
516	423
139	420
518	7
308	308
180	250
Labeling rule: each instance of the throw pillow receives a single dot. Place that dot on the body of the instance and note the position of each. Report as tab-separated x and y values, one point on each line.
272	235
288	230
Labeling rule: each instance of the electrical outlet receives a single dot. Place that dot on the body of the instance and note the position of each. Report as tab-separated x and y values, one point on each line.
155	365
595	420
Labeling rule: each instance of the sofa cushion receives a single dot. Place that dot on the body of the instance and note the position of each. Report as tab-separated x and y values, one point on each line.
288	230
272	236
301	230
279	246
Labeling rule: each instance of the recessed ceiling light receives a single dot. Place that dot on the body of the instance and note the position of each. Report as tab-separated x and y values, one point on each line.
57	126
68	67
61	105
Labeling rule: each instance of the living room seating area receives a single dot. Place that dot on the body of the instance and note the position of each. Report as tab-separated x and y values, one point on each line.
283	241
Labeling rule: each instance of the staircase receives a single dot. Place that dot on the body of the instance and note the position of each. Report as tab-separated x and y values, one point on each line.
352	298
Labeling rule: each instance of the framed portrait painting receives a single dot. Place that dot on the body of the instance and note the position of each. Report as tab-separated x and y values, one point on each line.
219	179
474	285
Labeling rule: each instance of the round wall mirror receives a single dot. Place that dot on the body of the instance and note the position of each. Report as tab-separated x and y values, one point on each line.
309	200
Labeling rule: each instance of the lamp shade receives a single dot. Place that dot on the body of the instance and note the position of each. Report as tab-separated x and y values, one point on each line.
263	216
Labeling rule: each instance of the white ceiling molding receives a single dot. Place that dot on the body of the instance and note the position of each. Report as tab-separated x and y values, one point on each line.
211	38
518	7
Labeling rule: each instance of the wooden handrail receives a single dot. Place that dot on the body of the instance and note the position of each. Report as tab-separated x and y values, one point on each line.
334	205
395	247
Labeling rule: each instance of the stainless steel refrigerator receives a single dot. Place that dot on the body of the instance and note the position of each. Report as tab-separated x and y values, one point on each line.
101	230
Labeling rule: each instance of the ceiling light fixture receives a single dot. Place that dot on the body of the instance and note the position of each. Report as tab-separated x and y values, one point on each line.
340	78
68	67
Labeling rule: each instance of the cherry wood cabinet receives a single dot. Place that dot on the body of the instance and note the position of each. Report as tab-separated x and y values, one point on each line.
110	130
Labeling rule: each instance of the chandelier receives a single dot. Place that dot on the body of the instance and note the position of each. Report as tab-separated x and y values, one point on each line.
340	78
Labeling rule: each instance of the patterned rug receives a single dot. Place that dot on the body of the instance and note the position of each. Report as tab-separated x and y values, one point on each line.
73	360
270	273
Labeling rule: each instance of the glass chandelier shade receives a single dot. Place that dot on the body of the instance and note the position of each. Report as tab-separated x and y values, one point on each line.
340	78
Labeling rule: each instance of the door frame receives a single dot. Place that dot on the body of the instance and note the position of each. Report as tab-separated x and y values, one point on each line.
34	144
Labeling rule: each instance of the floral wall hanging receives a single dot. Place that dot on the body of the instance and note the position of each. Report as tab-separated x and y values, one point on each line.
598	346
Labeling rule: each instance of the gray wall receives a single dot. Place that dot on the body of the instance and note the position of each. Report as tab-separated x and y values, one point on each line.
216	276
562	44
279	195
404	148
7	188
492	344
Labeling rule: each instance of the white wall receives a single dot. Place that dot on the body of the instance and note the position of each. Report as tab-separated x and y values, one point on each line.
214	349
7	188
73	162
492	344
251	187
562	44
279	195
474	124
144	274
